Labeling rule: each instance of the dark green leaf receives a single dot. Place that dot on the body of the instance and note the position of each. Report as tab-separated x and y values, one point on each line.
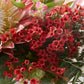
47	79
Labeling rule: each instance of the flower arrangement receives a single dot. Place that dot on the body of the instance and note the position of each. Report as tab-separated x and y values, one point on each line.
40	41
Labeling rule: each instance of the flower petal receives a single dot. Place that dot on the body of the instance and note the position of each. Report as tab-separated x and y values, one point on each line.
8	51
8	44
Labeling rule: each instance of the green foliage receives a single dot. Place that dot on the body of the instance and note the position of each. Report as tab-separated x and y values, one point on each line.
37	74
76	77
3	59
51	4
2	81
47	79
70	3
19	5
46	1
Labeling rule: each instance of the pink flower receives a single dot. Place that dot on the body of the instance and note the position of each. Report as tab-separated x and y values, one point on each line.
38	4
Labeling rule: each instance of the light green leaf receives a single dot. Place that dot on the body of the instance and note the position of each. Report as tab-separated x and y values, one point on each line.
37	74
19	5
70	3
51	4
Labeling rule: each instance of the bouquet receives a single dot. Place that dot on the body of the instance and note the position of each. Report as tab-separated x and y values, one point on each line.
41	41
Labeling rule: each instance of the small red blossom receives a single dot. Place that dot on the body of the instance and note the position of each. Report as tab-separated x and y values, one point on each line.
11	56
15	60
53	68
10	75
12	31
16	71
26	62
5	73
22	69
30	69
26	81
33	81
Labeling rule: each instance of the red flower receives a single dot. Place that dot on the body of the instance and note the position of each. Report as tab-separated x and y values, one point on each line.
15	60
5	73
64	37
66	18
74	19
59	31
61	48
37	80
11	56
56	21
10	75
16	71
22	69
28	38
30	69
53	68
12	31
56	35
26	81
61	42
17	78
33	81
26	62
55	43
58	25
34	64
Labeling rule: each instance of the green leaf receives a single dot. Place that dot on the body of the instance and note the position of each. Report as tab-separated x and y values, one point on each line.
51	4
47	79
3	59
66	24
70	3
37	74
59	3
19	5
2	81
76	77
46	1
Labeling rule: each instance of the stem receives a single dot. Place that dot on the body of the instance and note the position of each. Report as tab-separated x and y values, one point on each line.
71	64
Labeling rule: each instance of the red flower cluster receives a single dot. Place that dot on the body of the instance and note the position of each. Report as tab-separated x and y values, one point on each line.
49	38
